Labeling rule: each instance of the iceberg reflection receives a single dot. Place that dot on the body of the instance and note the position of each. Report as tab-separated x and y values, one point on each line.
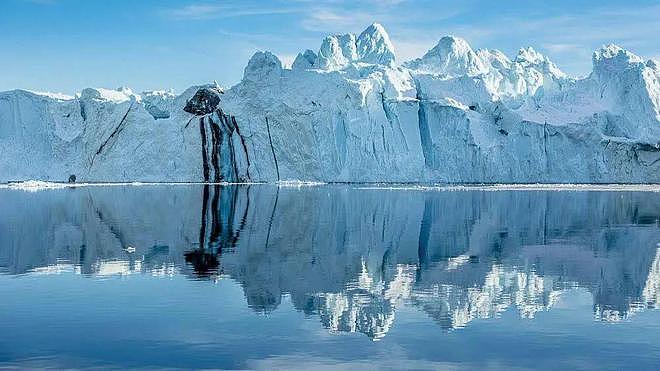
352	256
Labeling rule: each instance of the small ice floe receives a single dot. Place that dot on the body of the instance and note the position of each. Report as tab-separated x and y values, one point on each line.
129	249
35	185
298	183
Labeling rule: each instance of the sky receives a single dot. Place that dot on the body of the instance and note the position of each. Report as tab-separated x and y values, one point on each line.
67	45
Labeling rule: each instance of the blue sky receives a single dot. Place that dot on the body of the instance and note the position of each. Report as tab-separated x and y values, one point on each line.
66	45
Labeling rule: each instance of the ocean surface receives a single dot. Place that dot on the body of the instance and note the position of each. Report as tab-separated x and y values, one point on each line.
330	276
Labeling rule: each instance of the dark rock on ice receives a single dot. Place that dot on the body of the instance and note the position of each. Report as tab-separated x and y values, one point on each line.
204	101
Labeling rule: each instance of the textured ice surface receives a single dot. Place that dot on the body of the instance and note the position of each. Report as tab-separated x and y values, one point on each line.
350	112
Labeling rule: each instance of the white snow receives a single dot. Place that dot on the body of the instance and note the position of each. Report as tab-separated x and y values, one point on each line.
374	46
56	96
298	183
451	57
35	185
117	96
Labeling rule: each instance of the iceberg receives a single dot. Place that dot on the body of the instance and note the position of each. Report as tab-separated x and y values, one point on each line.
350	112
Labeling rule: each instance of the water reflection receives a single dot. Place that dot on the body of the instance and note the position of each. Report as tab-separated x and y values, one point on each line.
353	256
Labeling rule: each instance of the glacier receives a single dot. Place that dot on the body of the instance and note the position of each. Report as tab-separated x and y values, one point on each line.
350	112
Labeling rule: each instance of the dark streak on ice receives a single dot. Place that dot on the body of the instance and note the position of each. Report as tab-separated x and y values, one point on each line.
83	113
205	160
247	158
115	132
270	139
425	134
216	139
188	123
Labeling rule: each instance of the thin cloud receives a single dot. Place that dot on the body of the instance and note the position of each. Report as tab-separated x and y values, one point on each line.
201	11
195	11
411	48
335	20
40	2
342	16
563	48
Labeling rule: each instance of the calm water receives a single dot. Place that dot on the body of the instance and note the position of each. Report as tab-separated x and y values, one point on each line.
328	276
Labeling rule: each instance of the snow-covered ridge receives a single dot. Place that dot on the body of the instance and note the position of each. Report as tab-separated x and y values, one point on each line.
351	112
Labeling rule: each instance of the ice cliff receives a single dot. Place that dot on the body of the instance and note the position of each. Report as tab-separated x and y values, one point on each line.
350	112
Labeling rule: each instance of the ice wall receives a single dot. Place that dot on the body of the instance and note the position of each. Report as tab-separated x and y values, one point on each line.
351	113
